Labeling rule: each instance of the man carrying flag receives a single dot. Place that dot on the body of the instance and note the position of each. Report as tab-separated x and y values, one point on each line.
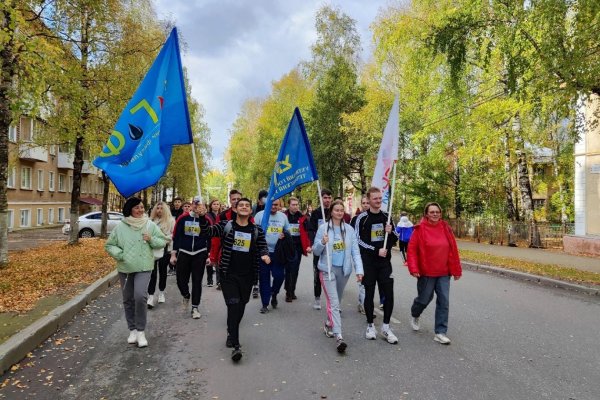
295	166
156	118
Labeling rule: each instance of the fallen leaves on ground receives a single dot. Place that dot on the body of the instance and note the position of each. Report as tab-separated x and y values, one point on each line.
56	268
551	271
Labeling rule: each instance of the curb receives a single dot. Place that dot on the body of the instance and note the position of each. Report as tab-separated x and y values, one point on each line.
541	280
21	343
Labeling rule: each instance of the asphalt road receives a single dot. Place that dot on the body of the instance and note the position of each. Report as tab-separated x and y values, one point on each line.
510	340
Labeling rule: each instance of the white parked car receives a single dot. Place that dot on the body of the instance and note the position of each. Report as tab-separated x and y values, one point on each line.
89	224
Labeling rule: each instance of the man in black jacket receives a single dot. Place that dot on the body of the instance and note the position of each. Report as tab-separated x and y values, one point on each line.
371	228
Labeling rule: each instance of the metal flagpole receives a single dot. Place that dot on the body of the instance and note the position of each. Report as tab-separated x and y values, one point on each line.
391	203
324	221
196	169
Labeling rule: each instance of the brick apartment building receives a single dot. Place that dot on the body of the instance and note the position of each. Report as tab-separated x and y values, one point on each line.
40	179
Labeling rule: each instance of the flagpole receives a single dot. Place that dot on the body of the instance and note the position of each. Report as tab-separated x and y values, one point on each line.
196	168
324	221
391	203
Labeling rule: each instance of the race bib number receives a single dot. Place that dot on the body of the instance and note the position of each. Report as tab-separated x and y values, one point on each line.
241	242
295	229
192	228
320	222
377	233
338	245
274	230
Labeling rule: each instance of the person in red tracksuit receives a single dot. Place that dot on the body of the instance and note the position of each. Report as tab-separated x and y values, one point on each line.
432	259
301	243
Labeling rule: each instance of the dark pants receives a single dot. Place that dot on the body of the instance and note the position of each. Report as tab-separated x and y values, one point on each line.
316	278
236	292
426	286
378	271
266	288
291	273
191	265
160	266
403	248
210	270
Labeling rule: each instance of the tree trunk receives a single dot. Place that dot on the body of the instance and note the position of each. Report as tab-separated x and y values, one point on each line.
525	188
511	212
105	191
6	78
457	199
85	117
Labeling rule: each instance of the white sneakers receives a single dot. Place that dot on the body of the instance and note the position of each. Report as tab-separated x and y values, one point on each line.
161	297
137	337
389	336
441	338
141	339
414	323
371	333
317	303
132	338
150	301
195	313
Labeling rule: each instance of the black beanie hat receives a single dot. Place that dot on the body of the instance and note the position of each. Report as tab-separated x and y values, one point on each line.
129	204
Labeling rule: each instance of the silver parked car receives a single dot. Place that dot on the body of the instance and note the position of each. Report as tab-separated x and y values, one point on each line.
89	224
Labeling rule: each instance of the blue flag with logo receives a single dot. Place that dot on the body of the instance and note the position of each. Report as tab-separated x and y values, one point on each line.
294	166
138	150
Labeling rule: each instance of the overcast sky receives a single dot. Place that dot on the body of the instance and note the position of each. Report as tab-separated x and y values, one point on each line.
236	49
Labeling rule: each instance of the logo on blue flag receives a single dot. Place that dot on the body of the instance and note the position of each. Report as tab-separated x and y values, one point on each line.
156	118
295	165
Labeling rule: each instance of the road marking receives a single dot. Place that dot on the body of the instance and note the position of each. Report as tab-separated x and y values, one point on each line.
392	319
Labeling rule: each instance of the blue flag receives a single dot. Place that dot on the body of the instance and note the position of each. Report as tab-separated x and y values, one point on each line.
295	165
138	150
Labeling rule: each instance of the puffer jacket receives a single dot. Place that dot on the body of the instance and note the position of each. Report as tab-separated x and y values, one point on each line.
127	246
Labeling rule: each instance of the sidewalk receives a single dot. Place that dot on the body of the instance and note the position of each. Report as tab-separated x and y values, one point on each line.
550	257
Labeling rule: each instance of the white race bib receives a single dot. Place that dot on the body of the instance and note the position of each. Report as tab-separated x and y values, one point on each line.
295	229
241	241
192	228
377	233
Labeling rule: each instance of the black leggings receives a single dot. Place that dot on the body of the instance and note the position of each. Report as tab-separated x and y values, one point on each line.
378	272
316	279
160	266
403	248
191	265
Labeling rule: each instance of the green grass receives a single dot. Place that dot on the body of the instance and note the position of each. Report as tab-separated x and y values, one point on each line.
548	270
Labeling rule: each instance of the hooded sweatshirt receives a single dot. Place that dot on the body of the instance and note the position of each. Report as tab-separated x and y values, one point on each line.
432	250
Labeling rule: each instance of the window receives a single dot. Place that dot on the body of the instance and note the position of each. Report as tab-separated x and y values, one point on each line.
50	216
52	149
26	128
10	216
25	178
538	204
61	182
40	180
70	183
25	218
61	215
51	181
11	178
12	133
40	216
94	216
83	186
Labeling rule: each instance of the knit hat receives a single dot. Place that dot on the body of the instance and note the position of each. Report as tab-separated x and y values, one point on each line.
197	200
129	204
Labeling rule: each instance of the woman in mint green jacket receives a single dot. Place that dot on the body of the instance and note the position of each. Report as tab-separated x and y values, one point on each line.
131	243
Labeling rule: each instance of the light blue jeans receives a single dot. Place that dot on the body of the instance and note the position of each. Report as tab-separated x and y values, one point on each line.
426	287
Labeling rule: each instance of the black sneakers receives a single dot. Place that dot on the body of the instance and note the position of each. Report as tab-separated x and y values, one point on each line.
274	301
236	354
255	292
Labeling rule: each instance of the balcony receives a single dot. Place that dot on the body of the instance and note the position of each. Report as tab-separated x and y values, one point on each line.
65	160
88	168
32	152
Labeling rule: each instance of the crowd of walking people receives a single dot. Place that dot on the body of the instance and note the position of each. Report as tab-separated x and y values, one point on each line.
229	244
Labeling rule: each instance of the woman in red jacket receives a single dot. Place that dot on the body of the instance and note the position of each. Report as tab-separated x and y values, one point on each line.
433	259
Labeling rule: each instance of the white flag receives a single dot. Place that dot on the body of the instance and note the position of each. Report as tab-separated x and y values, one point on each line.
388	153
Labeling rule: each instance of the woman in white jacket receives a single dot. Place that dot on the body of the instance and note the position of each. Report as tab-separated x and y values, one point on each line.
336	245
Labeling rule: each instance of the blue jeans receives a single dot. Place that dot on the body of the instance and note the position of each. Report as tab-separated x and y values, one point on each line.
426	286
266	288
